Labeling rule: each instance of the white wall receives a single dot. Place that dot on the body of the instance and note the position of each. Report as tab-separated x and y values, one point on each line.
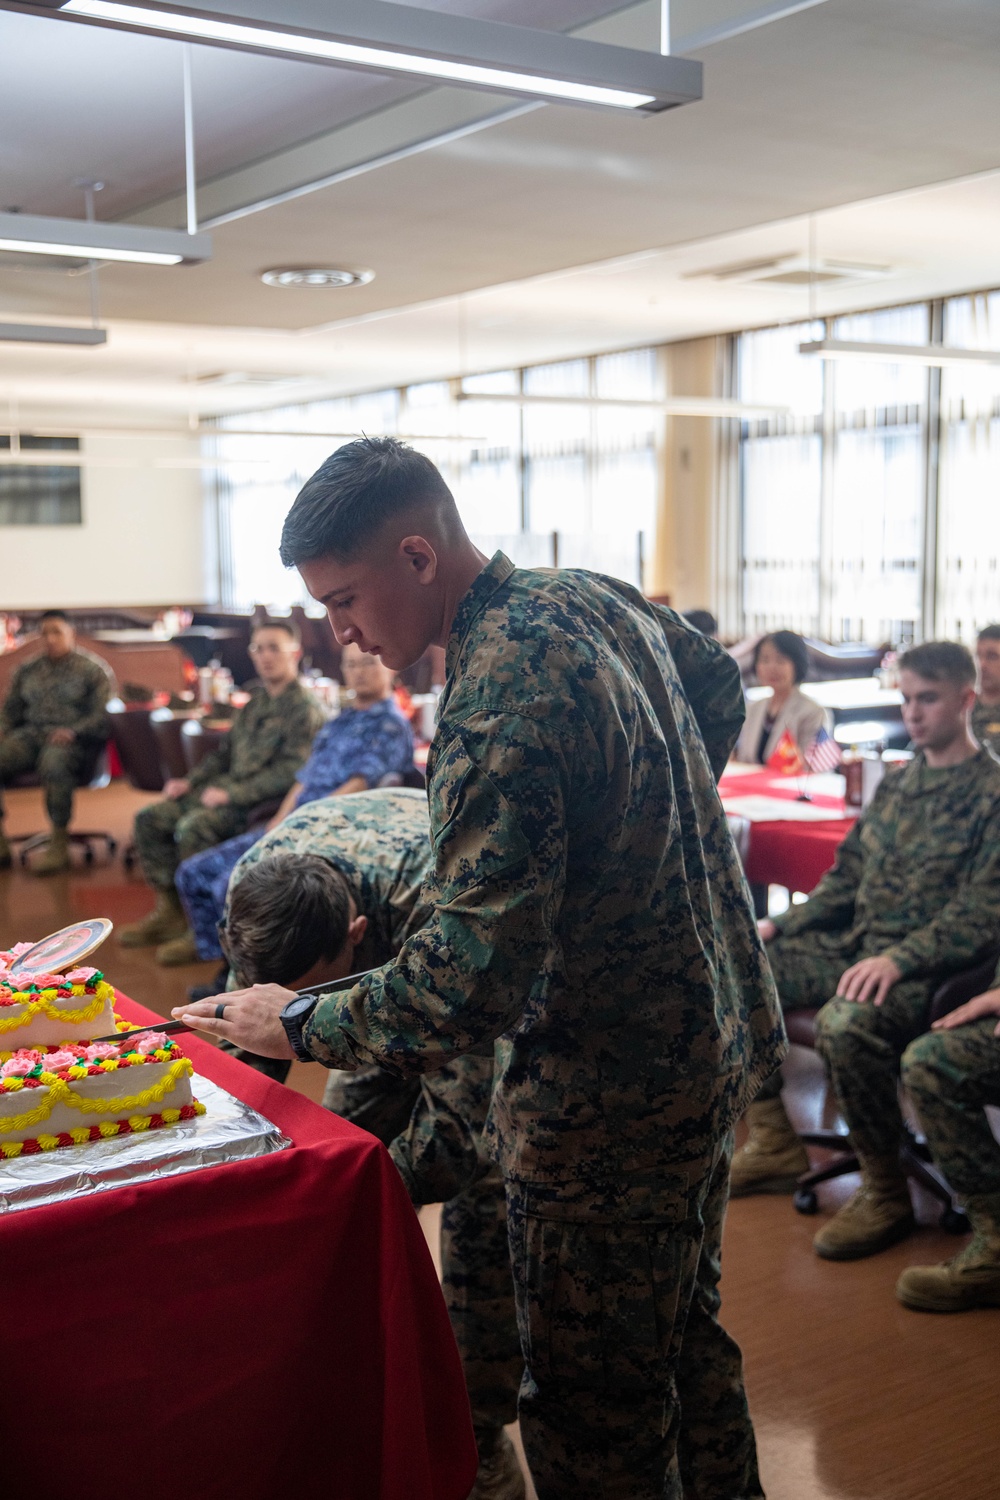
143	535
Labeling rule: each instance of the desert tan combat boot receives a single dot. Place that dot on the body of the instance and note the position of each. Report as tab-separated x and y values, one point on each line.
872	1219
773	1158
56	856
165	921
6	857
179	950
499	1475
971	1278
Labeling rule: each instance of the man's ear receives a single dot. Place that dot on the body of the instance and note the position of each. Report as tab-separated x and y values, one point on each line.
356	931
420	558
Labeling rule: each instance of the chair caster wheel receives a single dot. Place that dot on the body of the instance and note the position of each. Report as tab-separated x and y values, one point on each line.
112	848
24	861
954	1221
805	1201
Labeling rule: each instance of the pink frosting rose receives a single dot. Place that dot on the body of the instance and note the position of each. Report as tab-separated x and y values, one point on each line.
96	1051
64	1058
151	1041
80	976
21	1063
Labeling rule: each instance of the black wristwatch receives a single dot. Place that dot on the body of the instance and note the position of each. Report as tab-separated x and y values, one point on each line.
294	1016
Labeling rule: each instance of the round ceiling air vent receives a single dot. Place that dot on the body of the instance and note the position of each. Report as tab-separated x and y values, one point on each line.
320	278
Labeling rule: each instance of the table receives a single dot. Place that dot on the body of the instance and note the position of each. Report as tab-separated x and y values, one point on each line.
795	855
265	1329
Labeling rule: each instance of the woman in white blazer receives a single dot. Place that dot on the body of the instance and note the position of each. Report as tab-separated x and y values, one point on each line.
780	662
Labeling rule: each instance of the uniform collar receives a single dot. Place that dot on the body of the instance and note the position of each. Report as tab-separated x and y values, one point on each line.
494	575
919	778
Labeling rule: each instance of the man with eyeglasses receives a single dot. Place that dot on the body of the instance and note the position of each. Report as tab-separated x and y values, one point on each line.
257	762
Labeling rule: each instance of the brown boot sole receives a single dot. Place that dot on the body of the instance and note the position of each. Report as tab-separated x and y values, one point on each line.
965	1302
764	1185
888	1237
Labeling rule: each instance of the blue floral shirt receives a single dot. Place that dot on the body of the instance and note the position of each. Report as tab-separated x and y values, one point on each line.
368	742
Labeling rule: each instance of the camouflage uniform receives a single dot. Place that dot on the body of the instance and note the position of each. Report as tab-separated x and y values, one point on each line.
918	880
589	910
256	762
432	1126
69	693
951	1077
985	724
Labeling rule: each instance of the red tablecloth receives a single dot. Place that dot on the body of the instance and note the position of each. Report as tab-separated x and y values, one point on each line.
795	855
266	1330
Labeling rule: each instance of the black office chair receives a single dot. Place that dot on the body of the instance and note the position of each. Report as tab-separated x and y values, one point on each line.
82	838
915	1156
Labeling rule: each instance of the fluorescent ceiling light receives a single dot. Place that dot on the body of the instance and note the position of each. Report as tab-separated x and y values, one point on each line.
30	234
49	333
900	354
392	38
671	406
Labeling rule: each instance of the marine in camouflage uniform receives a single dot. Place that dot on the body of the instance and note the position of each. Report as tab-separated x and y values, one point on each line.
952	1075
916	880
985	724
68	692
588	909
256	762
380	842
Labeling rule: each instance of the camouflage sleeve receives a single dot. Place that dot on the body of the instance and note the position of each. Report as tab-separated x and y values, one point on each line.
93	723
831	904
213	768
966	926
711	681
440	1153
283	762
15	710
498	830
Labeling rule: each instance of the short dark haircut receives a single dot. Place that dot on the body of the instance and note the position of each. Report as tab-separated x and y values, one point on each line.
54	614
703	620
287	913
351	496
989	633
940	661
288	626
790	645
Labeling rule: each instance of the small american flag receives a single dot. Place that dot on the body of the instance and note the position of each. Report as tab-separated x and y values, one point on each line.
823	754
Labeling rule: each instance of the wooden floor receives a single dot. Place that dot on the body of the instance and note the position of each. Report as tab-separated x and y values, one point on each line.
854	1397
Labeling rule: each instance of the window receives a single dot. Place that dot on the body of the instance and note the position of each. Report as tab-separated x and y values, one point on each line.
572	484
40	494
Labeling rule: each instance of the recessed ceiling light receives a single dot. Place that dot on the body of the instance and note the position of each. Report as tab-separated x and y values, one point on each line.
320	277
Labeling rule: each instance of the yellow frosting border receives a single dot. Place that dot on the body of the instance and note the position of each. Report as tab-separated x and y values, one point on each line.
44	1003
59	1092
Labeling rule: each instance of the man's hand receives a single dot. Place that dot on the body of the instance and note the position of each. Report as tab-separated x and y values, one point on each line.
766	929
176	787
252	1018
871	979
214	796
62	736
973	1010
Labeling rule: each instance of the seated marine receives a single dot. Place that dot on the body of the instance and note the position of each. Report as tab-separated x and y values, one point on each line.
256	762
336	889
952	1073
912	898
986	713
368	740
54	722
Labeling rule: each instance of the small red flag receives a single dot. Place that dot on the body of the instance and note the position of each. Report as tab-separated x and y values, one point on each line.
785	757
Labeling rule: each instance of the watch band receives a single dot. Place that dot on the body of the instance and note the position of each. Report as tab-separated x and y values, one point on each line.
294	1016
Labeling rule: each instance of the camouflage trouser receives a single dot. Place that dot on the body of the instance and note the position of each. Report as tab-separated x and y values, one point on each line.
60	768
167	832
807	968
633	1390
951	1077
433	1127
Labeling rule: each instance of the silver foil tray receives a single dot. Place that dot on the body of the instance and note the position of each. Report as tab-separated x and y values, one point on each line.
229	1130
